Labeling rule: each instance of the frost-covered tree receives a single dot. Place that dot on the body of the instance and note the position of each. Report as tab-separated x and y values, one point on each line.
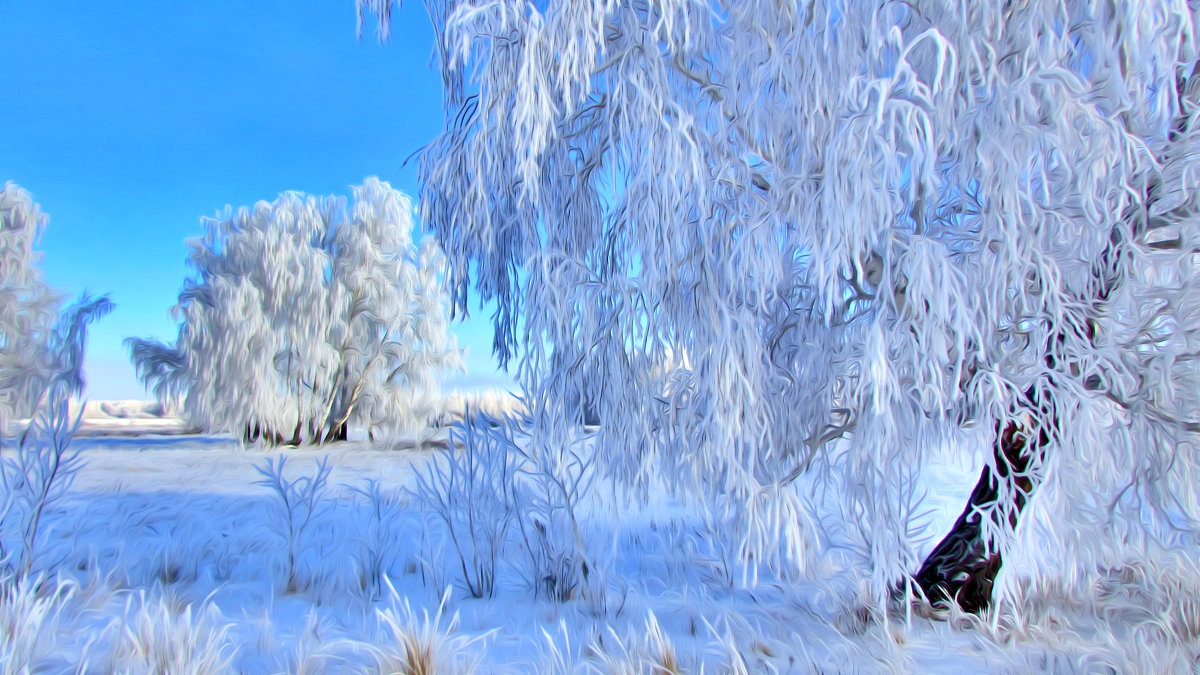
27	307
41	375
306	316
871	226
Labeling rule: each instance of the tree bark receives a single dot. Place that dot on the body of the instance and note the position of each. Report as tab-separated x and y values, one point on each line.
296	439
962	568
254	433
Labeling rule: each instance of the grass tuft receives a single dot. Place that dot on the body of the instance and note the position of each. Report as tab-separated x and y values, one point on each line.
30	614
162	640
425	645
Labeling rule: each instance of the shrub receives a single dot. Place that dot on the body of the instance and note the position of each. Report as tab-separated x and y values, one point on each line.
469	489
299	500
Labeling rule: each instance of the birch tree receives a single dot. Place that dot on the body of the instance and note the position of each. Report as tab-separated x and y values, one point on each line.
306	316
27	307
872	227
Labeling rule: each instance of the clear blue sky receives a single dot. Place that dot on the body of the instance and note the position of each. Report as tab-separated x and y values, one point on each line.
129	121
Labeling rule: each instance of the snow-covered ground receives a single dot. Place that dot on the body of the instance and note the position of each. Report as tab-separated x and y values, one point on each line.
168	556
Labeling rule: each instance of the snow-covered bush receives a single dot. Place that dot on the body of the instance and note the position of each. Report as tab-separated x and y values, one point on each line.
470	490
491	494
38	468
555	481
298	500
497	497
306	316
870	225
379	537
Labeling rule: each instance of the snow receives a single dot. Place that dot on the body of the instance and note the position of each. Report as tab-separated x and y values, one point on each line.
167	540
124	410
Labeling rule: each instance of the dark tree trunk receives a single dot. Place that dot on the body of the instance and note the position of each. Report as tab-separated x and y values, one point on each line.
254	433
296	440
337	433
961	567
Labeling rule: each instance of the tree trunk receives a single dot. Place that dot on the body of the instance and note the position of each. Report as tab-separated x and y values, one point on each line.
338	428
254	433
962	568
296	439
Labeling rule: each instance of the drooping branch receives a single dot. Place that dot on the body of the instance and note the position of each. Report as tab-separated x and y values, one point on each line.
962	568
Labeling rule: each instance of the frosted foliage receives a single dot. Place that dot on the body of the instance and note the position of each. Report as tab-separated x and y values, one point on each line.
306	315
867	225
27	308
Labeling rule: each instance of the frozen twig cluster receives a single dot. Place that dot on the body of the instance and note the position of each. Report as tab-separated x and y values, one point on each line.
496	499
378	538
470	489
298	501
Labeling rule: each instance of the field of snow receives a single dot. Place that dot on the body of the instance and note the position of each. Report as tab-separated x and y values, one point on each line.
167	555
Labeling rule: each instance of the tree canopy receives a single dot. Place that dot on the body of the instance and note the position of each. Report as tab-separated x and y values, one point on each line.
27	307
304	316
872	227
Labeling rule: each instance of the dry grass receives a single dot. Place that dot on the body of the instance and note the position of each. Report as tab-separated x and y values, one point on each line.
649	654
425	645
30	613
161	640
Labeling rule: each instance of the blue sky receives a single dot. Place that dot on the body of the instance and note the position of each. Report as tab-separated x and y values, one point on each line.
129	121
